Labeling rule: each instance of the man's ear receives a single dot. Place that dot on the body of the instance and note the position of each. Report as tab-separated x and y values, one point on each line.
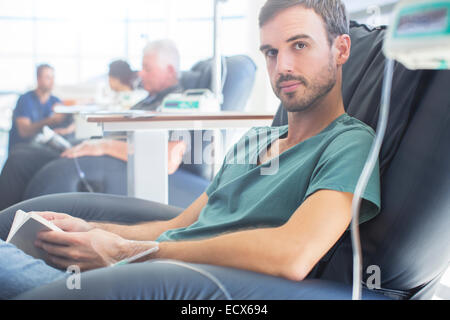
171	70
342	45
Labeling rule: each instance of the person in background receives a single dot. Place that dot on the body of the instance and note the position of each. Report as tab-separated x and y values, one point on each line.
123	82
34	110
159	76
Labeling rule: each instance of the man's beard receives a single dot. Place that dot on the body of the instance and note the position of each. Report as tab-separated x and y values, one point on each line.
45	90
314	91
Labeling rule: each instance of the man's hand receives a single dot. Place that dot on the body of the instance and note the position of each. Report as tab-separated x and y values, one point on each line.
87	148
56	118
176	152
88	250
66	222
65	131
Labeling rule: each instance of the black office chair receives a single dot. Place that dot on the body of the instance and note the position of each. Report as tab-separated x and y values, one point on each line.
409	239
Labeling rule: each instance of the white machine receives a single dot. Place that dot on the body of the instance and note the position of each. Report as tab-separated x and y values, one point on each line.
419	38
193	100
419	35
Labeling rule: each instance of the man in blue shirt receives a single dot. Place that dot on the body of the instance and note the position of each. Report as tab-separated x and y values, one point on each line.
34	110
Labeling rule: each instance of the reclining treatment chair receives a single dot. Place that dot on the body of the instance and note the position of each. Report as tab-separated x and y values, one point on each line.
409	240
111	176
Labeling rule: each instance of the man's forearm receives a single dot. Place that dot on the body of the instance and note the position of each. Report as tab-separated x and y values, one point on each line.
117	149
260	250
30	129
148	231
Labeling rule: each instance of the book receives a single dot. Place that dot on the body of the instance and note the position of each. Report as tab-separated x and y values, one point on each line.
24	230
26	226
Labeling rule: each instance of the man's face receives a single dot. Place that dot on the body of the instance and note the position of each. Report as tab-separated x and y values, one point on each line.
299	59
46	80
154	75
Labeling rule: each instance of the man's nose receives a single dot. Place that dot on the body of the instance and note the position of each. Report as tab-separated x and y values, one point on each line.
285	63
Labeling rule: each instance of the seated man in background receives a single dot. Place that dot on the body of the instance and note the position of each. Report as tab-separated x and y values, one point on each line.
159	75
34	110
272	225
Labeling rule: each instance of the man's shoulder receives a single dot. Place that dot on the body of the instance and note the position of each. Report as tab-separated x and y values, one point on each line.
350	134
356	126
349	129
265	131
27	95
25	100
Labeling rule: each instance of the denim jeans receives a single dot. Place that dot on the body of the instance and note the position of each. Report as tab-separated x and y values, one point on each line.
20	272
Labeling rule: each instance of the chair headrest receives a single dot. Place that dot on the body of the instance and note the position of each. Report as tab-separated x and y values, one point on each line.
239	73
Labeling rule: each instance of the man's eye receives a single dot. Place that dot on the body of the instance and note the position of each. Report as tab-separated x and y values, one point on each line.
271	53
300	46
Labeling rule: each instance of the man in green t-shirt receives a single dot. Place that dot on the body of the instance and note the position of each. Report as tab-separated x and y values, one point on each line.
283	196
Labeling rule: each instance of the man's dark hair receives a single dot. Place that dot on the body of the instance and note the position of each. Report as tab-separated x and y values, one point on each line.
333	13
42	67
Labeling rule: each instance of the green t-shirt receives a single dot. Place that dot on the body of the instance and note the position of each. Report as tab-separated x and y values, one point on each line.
244	195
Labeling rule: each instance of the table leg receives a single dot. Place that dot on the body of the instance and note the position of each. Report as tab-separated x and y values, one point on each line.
147	165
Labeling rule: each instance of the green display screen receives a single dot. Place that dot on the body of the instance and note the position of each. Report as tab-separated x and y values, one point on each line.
174	104
422	20
431	21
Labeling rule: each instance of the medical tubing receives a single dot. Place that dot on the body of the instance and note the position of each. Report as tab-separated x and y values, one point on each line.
365	176
202	272
82	176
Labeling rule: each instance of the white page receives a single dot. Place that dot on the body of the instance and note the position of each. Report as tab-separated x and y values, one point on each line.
19	219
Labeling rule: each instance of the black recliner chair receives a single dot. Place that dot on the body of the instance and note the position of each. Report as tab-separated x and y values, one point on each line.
109	175
409	240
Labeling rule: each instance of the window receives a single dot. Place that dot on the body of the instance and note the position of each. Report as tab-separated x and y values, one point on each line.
81	37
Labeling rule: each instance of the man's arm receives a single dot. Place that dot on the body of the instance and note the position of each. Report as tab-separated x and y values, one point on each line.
95	148
88	246
27	128
119	150
289	251
67	130
150	231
